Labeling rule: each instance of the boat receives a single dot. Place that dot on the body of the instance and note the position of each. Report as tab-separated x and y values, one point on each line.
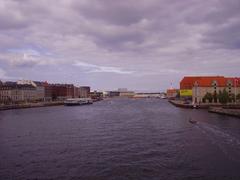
77	101
163	97
192	121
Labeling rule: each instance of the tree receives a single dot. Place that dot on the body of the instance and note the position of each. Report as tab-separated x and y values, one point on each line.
238	97
208	96
231	98
223	97
204	100
215	96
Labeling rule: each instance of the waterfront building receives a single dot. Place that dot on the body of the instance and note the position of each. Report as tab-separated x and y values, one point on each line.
84	91
128	94
198	87
40	90
113	93
96	96
48	91
27	90
172	93
16	93
149	95
62	91
122	90
76	92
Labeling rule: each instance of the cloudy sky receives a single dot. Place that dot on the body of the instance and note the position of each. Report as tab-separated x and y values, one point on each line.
138	44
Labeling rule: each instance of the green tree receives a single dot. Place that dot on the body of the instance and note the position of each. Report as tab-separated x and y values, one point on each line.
238	97
231	98
223	97
208	96
204	100
215	96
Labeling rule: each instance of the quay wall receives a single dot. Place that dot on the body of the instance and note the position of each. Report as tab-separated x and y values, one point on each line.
30	105
225	111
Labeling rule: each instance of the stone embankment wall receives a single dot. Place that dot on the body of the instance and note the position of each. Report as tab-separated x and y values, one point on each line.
30	105
225	111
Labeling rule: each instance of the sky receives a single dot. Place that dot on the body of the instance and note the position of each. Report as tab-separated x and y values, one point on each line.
145	45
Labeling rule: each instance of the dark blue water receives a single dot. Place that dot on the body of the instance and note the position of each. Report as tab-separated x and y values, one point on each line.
118	139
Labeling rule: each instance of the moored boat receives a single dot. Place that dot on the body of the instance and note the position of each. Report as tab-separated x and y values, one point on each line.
77	101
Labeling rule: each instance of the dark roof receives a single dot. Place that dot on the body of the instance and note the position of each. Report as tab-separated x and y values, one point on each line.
17	86
62	85
9	83
39	83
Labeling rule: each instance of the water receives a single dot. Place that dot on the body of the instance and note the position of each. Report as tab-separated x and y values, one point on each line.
118	139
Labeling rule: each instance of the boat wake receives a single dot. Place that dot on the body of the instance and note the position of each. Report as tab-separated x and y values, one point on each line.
226	142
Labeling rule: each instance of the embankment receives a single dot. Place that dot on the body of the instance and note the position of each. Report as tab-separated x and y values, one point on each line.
30	105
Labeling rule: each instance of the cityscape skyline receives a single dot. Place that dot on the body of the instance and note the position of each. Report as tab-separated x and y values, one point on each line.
140	45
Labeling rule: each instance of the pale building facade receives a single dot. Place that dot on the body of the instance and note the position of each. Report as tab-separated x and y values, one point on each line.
214	86
17	93
84	91
128	94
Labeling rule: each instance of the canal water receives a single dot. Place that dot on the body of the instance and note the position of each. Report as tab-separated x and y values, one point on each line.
118	139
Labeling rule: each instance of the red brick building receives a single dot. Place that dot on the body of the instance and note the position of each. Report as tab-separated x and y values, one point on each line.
58	91
172	93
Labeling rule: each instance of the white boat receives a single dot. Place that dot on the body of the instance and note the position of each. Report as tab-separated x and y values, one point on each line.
163	97
77	101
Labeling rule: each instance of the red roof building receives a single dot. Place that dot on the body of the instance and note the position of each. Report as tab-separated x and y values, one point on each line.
208	81
197	87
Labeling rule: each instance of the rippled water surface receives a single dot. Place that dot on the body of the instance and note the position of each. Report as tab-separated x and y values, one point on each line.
118	139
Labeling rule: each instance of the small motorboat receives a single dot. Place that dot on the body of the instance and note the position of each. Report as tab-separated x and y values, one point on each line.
192	121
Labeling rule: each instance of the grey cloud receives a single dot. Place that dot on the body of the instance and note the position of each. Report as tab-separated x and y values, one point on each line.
92	68
226	36
146	39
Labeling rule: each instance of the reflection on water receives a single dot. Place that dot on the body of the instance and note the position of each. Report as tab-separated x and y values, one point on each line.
118	139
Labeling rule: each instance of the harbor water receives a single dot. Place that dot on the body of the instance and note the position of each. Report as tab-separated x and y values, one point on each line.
118	139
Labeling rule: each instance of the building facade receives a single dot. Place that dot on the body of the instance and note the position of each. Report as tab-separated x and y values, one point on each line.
172	93
96	96
16	93
84	91
128	94
40	90
48	91
62	91
113	93
199	87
